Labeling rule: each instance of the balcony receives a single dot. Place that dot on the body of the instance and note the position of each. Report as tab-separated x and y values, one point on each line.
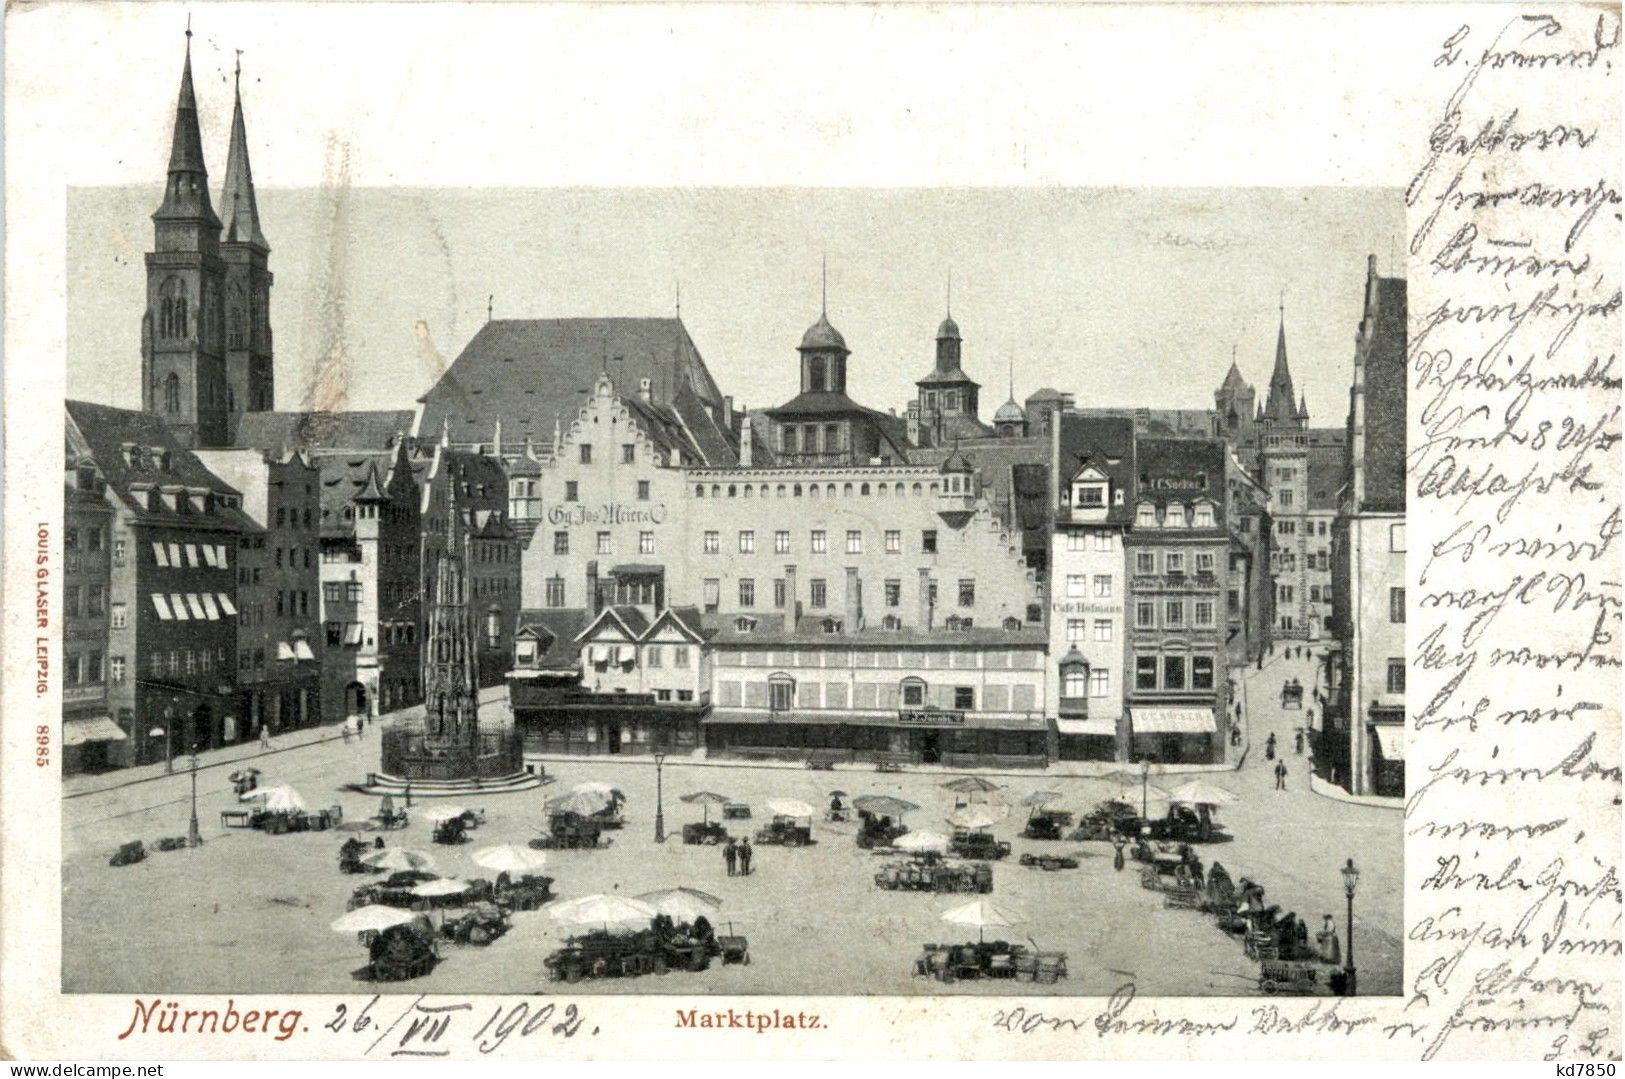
1074	708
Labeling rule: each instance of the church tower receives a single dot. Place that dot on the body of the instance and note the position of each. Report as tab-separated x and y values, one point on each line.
249	379
183	367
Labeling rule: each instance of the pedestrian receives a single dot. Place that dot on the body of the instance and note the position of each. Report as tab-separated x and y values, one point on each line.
730	854
1269	747
1330	949
744	857
378	843
344	731
1297	738
265	735
1118	842
1280	775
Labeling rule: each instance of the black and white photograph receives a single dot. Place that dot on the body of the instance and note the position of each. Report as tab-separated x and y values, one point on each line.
838	592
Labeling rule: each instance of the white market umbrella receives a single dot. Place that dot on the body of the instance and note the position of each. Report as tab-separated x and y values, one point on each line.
510	858
374	918
682	904
1132	794
982	913
790	807
1200	792
602	911
399	858
439	813
599	787
279	799
922	841
586	803
440	886
705	800
978	815
883	805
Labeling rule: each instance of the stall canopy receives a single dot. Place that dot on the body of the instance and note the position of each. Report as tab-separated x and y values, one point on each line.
78	731
1390	741
1172	720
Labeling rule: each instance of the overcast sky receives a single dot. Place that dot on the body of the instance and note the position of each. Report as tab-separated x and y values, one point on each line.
1120	297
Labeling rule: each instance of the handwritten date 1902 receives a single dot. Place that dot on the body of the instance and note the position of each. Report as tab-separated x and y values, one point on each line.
430	1030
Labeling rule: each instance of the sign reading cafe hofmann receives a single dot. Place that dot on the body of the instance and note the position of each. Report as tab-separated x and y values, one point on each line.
610	513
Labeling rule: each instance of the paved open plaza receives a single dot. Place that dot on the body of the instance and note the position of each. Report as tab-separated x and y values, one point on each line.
250	912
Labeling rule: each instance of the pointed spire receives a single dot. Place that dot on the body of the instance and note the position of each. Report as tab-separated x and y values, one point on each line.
1280	404
679	299
237	193
187	193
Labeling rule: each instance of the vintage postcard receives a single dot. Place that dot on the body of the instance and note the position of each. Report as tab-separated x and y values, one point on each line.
683	531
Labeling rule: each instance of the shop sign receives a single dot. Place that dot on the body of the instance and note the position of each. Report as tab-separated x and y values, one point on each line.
1179	483
1080	607
609	513
931	717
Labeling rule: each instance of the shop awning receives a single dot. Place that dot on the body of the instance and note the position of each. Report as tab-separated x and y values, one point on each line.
1101	727
209	607
226	605
284	650
352	633
160	555
192	556
1390	740
1172	720
626	653
161	605
968	721
177	603
78	731
301	650
195	605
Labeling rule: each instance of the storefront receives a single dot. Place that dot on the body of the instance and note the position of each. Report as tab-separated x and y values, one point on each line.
1086	739
565	719
1183	734
925	736
1388	756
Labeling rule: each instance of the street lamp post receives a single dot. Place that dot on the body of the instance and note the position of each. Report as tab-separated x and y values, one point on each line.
169	742
1351	878
660	802
1145	790
193	838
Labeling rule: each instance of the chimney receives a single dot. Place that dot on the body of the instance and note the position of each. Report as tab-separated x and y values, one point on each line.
791	603
744	442
1055	470
728	410
854	599
593	608
925	599
644	390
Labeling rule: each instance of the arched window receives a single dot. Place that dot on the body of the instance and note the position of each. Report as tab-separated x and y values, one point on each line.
1145	515
172	393
493	628
781	692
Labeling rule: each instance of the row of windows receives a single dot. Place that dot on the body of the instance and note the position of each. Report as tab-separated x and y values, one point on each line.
186	661
818	541
654	656
1077	630
864	659
818	593
92	538
1173	613
286	518
1079	542
1145	562
629	453
86	668
572	490
1079	586
95	601
881	488
1079	679
781	693
1173	516
1173	672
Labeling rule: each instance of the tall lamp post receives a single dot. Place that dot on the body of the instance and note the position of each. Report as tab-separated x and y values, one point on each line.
193	838
1145	790
1351	878
660	802
169	741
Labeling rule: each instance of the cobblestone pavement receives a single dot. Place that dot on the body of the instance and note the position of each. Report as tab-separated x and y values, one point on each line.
250	912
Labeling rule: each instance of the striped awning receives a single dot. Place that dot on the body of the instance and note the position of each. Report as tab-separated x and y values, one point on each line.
76	731
1172	720
1100	727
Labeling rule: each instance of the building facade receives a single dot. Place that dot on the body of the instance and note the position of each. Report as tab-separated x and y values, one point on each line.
175	538
1362	742
1178	552
1093	460
279	635
91	739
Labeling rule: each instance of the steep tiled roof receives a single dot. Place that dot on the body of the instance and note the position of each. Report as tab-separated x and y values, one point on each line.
1385	378
343	477
320	430
1106	443
1326	475
525	373
1183	458
555	631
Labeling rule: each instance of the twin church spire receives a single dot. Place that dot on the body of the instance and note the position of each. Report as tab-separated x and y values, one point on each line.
206	336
